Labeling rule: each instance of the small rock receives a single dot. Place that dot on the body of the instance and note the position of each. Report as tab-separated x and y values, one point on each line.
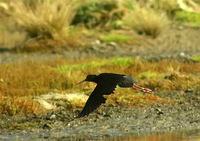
96	48
159	111
112	44
188	90
45	104
107	115
181	27
47	126
182	54
63	112
51	117
1	80
96	42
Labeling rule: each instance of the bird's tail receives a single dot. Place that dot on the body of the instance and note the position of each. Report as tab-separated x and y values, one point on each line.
144	90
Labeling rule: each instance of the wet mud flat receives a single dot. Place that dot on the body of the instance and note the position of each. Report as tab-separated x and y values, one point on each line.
108	121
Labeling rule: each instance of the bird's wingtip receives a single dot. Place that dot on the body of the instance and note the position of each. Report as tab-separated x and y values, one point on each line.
77	117
81	115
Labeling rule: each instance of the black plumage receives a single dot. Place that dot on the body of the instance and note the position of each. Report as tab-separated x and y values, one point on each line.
106	84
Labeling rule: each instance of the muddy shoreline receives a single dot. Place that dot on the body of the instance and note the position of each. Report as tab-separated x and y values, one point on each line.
109	120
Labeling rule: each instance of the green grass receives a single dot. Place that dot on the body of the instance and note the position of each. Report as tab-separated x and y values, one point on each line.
115	38
150	75
112	62
189	18
195	58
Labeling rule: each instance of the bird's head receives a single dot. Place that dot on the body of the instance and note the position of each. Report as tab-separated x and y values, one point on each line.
90	78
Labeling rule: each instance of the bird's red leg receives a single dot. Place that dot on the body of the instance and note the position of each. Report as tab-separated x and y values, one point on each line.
144	90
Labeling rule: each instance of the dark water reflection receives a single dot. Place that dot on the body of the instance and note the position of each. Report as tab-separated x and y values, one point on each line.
173	136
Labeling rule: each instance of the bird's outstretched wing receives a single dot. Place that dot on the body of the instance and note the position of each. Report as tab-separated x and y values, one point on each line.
96	98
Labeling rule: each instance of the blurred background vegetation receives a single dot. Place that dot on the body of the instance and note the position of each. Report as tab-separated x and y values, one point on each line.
31	25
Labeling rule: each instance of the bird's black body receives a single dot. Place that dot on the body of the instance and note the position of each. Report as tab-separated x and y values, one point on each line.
106	84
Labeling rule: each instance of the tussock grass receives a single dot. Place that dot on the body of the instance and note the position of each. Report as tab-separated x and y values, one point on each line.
74	39
35	25
45	24
95	13
47	18
168	5
10	35
144	20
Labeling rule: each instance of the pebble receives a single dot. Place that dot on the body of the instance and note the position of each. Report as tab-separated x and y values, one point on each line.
47	126
188	90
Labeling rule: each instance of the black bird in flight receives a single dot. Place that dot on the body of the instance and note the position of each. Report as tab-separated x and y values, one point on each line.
106	84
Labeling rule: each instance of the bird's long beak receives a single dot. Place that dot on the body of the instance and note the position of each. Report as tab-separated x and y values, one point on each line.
80	82
144	90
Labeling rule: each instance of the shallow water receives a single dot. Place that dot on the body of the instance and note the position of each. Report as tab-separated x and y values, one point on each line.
173	136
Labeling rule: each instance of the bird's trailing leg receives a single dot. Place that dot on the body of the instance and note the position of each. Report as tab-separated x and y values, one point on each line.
144	90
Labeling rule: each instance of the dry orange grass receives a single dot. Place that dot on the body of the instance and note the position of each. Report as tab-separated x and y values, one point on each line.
17	106
129	97
29	79
176	76
21	82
